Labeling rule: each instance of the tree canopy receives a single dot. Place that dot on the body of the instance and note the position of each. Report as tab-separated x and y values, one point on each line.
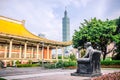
98	32
116	38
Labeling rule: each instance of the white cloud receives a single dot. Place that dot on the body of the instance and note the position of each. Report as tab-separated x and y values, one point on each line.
114	15
85	2
41	17
100	8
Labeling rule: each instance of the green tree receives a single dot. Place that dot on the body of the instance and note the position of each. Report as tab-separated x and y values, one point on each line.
117	50
98	32
118	26
116	38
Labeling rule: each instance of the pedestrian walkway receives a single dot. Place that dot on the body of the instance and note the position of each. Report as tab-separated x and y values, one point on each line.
45	74
34	75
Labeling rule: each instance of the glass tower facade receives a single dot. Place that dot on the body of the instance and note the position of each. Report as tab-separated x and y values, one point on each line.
65	27
66	30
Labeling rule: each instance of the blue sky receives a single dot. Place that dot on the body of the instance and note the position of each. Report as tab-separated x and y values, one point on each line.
45	16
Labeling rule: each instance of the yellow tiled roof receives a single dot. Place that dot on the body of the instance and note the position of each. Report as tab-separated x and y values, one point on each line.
16	28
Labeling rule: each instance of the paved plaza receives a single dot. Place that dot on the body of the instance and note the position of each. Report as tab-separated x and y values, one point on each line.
38	73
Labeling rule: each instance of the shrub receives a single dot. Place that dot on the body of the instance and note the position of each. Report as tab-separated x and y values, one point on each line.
54	61
69	63
2	79
24	65
116	57
108	59
59	57
35	65
72	63
113	62
27	65
49	66
110	76
29	61
40	63
59	64
17	62
66	57
72	57
66	64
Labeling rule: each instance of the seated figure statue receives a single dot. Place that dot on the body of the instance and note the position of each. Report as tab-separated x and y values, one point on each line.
89	65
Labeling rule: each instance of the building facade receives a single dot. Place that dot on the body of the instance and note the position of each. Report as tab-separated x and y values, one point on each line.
65	27
66	30
17	43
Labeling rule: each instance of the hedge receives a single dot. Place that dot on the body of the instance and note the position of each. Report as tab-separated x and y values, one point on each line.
2	79
27	65
112	62
49	66
65	64
60	64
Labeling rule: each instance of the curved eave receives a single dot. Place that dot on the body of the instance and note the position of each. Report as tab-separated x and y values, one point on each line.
2	35
15	29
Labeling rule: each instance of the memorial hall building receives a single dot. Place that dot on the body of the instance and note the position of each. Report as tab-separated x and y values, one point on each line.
17	43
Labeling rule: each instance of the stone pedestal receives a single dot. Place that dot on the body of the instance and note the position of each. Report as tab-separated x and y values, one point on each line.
89	67
86	75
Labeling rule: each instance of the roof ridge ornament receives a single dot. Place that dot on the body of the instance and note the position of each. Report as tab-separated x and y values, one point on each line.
23	22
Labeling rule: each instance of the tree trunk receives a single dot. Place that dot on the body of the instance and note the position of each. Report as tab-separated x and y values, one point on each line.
104	52
104	56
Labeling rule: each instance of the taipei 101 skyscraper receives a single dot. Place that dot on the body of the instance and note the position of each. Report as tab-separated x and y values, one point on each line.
65	29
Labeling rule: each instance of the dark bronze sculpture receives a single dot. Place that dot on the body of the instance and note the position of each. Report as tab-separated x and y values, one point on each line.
89	65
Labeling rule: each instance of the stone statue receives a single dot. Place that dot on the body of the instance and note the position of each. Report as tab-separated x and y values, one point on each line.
89	49
89	65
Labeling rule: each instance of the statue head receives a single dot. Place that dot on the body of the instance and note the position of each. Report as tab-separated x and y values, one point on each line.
88	44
